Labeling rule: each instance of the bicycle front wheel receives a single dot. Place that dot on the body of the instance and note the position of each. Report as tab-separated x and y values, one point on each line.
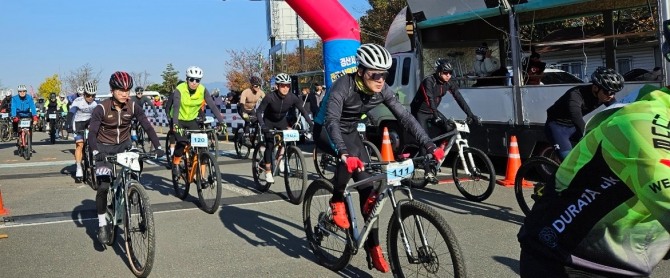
4	132
213	143
425	246
139	231
295	175
330	244
531	179
258	169
324	163
28	148
209	183
240	148
477	183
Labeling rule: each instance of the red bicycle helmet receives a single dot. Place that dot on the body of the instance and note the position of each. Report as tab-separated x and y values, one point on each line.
121	80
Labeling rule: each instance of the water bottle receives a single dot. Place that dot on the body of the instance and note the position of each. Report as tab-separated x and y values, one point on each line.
133	135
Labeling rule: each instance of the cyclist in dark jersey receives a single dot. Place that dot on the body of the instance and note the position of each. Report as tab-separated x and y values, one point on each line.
350	97
272	112
565	118
607	213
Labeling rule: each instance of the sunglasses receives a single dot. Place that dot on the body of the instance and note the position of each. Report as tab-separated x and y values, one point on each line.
87	95
283	85
377	75
196	80
448	72
255	86
23	91
607	93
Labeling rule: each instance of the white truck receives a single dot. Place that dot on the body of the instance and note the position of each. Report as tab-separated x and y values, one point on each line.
430	29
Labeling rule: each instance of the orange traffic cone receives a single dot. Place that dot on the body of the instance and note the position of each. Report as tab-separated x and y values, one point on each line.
387	150
3	211
513	163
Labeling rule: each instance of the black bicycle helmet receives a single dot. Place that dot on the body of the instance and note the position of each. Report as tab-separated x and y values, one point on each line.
607	79
121	80
139	89
442	65
52	96
254	80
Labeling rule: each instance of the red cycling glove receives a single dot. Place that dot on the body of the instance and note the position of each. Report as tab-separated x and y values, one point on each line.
35	119
16	119
438	154
353	163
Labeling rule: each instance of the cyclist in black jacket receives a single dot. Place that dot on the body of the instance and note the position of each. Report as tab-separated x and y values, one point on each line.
428	97
350	97
272	112
565	118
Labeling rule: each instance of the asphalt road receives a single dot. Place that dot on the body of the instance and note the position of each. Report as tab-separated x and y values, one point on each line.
52	225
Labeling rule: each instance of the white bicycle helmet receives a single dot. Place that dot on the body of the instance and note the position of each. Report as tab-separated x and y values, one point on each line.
80	90
8	93
283	78
373	56
194	72
22	88
62	94
90	88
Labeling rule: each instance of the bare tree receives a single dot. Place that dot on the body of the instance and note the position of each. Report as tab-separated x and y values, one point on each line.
246	63
80	76
141	79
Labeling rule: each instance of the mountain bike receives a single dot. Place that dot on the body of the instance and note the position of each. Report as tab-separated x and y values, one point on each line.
531	179
40	125
24	140
212	136
5	127
287	161
245	142
53	126
472	171
128	204
199	167
411	249
326	164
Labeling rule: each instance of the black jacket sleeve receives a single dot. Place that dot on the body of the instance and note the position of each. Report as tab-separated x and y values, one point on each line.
176	103
575	108
338	93
94	126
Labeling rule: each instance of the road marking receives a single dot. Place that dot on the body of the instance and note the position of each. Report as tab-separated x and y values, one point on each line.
238	190
36	164
49	158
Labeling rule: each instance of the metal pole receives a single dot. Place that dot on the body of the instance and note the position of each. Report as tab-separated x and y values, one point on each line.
516	69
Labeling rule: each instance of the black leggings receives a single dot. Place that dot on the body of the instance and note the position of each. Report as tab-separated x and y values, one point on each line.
181	138
105	180
269	140
355	148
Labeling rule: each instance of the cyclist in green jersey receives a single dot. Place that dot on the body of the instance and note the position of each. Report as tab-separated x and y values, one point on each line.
607	212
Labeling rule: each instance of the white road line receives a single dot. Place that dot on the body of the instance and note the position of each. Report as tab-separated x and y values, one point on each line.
37	164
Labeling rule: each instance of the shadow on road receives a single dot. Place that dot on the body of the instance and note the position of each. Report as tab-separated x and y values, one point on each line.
460	205
156	183
267	231
513	264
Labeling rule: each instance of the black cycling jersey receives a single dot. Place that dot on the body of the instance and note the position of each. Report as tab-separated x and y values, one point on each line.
275	108
343	106
570	108
430	93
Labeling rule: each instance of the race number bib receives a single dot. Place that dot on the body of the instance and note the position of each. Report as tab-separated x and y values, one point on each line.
199	140
361	127
24	123
462	127
52	116
291	135
396	171
4	115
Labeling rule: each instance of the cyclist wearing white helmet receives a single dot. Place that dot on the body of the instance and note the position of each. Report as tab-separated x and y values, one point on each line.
22	107
350	97
188	100
272	112
80	113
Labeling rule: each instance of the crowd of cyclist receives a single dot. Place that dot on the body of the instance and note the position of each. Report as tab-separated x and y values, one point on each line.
619	227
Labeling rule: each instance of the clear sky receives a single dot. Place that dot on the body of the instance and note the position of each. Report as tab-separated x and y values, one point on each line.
44	37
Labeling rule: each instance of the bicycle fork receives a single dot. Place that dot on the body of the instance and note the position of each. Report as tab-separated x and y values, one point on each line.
408	249
468	162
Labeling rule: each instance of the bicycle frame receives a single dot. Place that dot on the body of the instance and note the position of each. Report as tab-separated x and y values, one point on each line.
455	138
195	151
281	146
386	190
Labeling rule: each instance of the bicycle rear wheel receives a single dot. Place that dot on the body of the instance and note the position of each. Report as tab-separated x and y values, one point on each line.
324	163
258	169
535	173
330	244
139	231
295	175
4	132
209	184
89	169
479	184
434	249
373	151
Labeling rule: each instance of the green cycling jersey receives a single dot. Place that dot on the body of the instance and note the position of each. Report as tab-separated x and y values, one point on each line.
610	210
